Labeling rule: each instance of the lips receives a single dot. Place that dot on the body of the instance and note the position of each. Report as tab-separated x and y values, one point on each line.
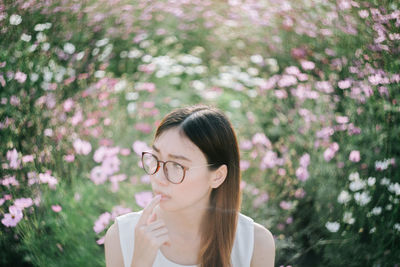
163	195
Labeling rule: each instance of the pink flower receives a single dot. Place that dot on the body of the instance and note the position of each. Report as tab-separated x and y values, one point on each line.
111	165
281	94
261	139
125	151
12	218
246	145
299	193
302	174
305	160
342	119
102	222
285	205
115	179
344	84
149	87
261	199
143	198
331	151
145	179
119	210
139	147
354	156
9	180
14	100
77	118
100	154
281	171
20	77
101	241
307	65
12	157
82	147
27	158
56	208
69	158
143	127
47	178
22	203
68	105
244	165
287	80
269	160
98	175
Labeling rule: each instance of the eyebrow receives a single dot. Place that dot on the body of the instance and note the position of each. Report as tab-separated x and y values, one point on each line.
171	155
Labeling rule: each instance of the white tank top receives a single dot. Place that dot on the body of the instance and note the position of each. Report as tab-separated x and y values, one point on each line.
242	250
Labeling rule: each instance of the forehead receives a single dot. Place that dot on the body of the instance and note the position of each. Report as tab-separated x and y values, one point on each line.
174	142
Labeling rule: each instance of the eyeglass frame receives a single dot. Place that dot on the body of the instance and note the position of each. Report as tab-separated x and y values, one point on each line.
164	162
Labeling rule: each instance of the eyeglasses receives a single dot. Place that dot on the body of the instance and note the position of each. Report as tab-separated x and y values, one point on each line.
174	172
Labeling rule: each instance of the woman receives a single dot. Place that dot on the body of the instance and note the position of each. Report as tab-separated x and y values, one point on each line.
194	219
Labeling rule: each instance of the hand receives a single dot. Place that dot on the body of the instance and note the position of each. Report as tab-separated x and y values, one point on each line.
150	235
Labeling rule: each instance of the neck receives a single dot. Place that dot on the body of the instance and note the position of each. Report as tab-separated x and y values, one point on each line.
185	223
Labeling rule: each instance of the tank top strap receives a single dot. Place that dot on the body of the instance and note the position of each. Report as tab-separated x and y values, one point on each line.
243	245
126	225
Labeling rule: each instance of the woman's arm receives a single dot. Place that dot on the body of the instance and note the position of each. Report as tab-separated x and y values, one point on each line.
112	248
264	247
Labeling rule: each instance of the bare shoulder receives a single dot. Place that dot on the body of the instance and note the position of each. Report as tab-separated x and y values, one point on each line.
112	247
264	247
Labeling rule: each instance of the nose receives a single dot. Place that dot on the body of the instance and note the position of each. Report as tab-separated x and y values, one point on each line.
159	176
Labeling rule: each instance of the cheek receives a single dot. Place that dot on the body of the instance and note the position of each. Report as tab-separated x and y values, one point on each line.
194	187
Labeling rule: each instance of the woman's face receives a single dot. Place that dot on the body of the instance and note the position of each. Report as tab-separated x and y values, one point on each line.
194	191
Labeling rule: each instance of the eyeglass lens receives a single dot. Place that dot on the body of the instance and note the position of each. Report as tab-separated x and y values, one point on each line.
174	172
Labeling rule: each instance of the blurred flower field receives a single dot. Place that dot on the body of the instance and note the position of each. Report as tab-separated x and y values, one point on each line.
312	89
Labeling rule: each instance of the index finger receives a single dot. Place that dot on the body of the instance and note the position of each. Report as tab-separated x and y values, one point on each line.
147	211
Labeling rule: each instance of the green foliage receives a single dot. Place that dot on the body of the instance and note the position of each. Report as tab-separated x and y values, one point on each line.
311	87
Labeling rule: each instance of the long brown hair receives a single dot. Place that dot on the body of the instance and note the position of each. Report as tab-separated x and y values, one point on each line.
210	130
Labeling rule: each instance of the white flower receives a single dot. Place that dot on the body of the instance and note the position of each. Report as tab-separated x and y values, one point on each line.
396	226
41	37
69	48
42	27
376	210
394	188
389	207
256	59
385	181
354	176
99	74
102	42
348	218
344	197
15	19
371	181
372	230
120	86
362	199
34	77
80	55
332	226
45	46
198	85
235	104
26	37
382	165
131	107
357	185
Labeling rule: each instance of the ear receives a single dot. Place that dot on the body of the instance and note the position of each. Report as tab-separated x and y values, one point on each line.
219	176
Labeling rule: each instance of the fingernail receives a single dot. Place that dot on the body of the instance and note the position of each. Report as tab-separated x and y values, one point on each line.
157	197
